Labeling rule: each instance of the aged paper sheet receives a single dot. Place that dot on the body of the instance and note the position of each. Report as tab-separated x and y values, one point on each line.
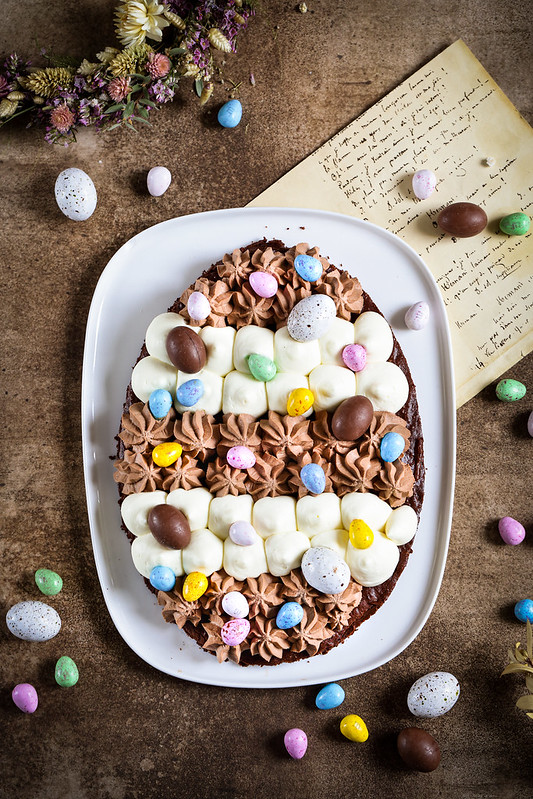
448	117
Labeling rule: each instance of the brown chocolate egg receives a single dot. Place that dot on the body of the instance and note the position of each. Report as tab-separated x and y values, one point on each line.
169	526
186	350
352	418
462	219
418	749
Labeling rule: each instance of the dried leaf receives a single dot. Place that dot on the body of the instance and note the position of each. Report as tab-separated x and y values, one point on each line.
198	86
525	702
514	668
113	108
530	715
529	682
177	51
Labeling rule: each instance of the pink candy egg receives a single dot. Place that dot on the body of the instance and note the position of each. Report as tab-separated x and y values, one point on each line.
243	534
295	741
424	182
263	283
417	316
235	631
240	457
354	357
198	306
511	531
25	697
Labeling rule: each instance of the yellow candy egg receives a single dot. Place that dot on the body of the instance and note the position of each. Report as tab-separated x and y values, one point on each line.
354	728
361	536
167	453
194	585
299	401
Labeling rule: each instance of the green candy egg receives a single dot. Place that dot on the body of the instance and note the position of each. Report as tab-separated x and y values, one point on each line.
67	673
515	224
48	582
510	390
261	367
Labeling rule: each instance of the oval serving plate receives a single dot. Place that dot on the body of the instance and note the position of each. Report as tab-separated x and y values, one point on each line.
142	280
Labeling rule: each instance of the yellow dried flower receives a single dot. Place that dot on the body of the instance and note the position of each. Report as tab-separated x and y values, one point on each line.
107	55
15	96
38	100
137	20
238	19
7	108
87	67
46	82
218	40
130	60
174	19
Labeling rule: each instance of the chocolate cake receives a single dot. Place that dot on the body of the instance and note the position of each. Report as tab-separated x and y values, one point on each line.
223	405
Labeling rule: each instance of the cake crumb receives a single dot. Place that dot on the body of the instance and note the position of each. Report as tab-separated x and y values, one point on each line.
489	161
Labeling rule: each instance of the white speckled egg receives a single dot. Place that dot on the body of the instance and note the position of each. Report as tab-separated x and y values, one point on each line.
417	316
311	318
33	621
325	570
424	183
158	180
75	194
433	694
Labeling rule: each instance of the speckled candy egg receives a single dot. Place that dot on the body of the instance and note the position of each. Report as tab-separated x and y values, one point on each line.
190	392
194	586
75	194
433	694
235	631
308	268
48	582
391	447
516	224
523	610
25	697
510	390
330	696
160	402
313	477
261	368
162	578
299	401
166	453
325	570
354	357
198	306
511	531
417	316
66	672
424	183
311	318
235	604
295	741
289	615
158	180
33	621
230	114
240	457
243	534
263	283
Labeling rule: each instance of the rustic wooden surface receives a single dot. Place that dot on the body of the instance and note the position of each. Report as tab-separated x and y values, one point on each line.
126	730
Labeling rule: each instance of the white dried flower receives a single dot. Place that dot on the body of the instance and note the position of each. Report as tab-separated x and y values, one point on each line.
137	20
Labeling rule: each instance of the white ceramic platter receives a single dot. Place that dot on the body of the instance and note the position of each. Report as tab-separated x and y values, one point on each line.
142	280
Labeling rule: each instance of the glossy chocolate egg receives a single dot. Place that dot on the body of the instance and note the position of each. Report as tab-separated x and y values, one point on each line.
169	526
352	418
462	219
418	749
186	350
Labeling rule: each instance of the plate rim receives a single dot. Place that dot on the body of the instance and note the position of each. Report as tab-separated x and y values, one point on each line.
447	491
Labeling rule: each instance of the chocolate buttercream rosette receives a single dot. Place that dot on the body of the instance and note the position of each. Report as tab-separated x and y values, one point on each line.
236	410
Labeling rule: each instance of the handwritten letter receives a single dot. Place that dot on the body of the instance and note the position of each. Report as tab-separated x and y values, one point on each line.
449	117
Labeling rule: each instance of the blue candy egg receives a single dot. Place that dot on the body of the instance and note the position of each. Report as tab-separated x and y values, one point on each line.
308	268
160	402
190	392
289	615
313	478
162	578
523	610
391	447
331	695
230	114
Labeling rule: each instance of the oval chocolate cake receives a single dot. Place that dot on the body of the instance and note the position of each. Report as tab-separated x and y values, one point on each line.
270	457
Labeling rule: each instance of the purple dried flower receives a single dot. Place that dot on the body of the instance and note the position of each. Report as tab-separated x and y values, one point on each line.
160	92
4	86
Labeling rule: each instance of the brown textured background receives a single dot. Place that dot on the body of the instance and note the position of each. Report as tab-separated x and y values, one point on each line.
125	730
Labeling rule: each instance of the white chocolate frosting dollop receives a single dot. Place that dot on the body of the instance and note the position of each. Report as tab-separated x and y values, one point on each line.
295	356
242	562
157	332
136	507
252	339
149	374
331	385
280	387
219	345
147	553
223	511
244	394
401	525
319	513
193	503
384	384
373	331
284	551
204	553
374	565
368	507
337	540
332	343
273	515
